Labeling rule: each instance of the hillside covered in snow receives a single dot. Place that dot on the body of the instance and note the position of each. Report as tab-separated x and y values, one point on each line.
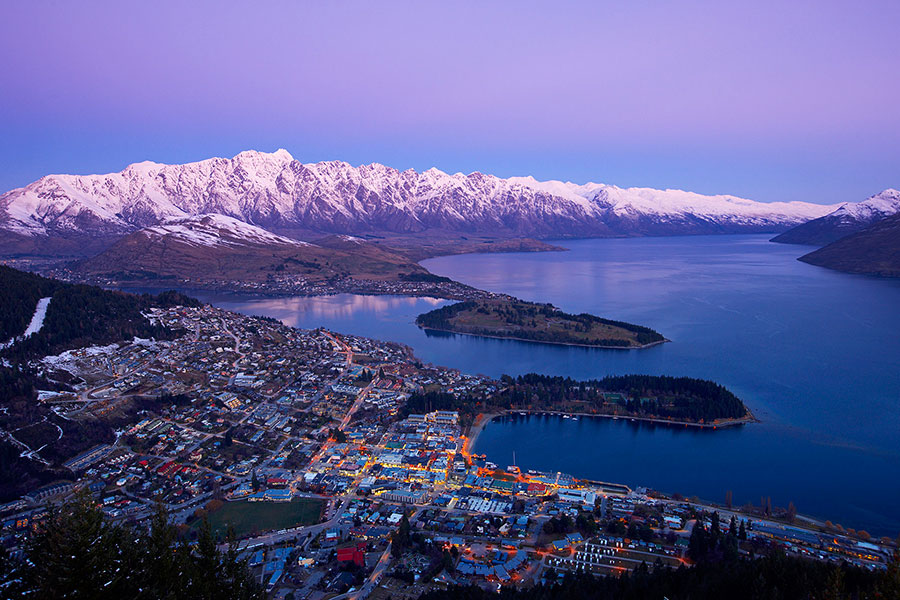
847	219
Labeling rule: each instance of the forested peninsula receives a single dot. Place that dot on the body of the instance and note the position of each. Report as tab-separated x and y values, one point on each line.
661	398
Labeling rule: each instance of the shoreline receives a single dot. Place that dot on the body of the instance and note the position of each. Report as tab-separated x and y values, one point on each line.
518	339
483	419
139	288
657	420
479	426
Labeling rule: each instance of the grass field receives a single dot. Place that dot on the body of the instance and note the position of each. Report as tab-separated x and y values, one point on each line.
256	517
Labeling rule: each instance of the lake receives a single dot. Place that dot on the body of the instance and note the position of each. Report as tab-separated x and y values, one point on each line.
814	353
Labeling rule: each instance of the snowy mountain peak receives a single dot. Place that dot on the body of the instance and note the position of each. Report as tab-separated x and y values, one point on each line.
279	156
282	154
882	204
846	219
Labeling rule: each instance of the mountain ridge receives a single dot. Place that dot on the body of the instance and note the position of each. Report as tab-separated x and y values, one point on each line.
280	194
845	220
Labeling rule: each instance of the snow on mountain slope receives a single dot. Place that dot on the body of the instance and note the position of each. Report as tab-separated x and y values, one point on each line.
874	208
847	219
217	230
276	192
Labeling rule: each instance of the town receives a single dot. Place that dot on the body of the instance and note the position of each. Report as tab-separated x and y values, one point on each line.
418	285
301	447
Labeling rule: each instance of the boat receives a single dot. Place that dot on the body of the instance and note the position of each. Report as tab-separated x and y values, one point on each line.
513	468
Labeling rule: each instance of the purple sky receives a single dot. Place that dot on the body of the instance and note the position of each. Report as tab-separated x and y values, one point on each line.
770	100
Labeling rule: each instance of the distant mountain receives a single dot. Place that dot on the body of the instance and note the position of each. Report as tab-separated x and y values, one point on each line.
216	248
61	213
847	219
874	251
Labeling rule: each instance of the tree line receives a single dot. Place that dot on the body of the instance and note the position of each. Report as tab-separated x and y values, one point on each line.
774	576
679	398
75	552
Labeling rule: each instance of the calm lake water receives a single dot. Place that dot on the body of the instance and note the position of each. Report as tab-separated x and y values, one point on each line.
814	353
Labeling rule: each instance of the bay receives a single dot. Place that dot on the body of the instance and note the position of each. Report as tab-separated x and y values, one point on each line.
814	353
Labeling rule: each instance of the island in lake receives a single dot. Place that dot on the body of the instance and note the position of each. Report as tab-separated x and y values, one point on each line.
534	322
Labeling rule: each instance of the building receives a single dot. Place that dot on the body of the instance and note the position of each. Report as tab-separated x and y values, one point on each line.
48	491
86	458
279	495
445	417
585	497
404	496
355	554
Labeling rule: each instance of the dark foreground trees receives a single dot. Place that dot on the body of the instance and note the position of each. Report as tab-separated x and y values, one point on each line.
772	577
77	553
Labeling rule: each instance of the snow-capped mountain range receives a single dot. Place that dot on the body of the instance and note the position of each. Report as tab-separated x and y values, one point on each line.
847	219
280	194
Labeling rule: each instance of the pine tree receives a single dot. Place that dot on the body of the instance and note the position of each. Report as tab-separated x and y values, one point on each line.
834	585
79	553
698	543
163	560
890	585
207	567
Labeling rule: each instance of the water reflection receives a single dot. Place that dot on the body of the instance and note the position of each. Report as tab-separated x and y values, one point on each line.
304	311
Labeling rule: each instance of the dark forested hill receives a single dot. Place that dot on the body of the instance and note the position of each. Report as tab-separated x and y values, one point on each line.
873	251
78	315
19	294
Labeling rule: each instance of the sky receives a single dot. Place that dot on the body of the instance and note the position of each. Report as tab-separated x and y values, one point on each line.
769	100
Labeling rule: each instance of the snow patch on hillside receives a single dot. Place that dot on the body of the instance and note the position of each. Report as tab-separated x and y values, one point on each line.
37	322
